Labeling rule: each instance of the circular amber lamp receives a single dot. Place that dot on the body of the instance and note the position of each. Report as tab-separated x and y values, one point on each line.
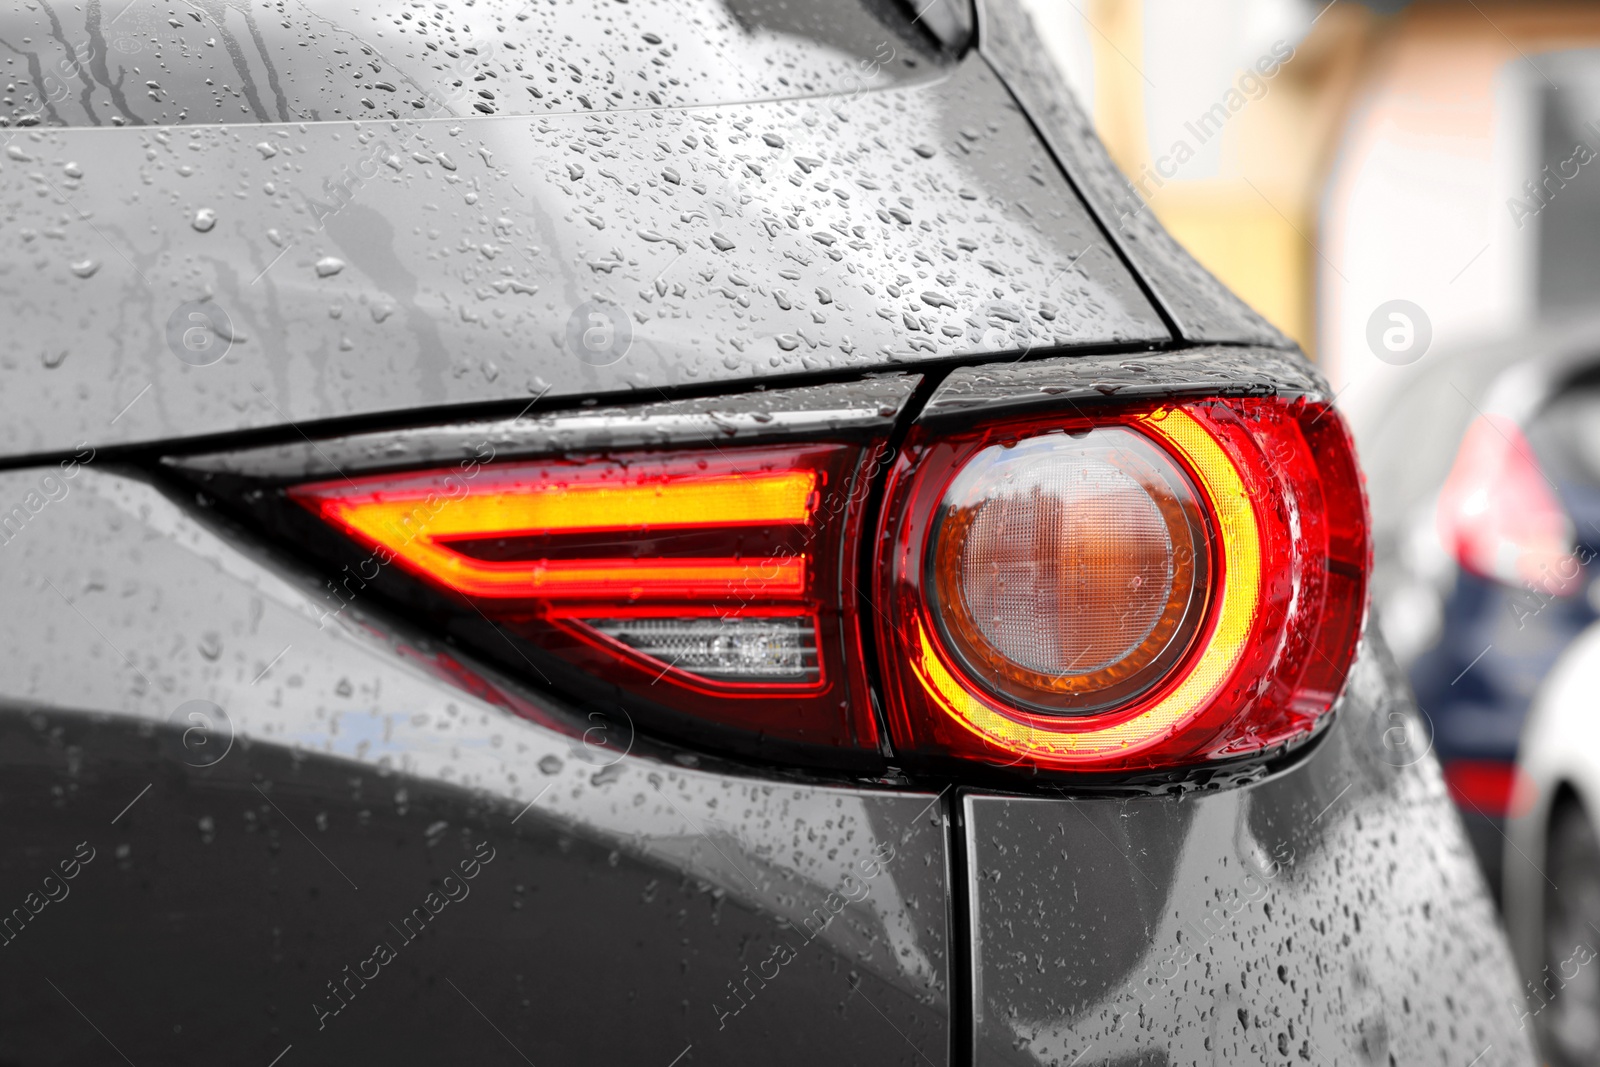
1070	572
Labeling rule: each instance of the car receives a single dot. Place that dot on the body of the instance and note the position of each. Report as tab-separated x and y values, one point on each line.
673	532
1552	861
1484	547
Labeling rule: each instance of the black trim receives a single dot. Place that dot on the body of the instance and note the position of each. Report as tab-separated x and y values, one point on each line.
963	936
866	588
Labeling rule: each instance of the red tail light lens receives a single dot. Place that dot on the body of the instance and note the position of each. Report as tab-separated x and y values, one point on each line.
1069	572
482	541
1489	787
1141	587
707	584
1134	587
1499	516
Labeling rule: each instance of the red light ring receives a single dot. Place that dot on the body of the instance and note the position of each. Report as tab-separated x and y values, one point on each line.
1292	462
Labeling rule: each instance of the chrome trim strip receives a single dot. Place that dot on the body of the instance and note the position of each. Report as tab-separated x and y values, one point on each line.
1067	380
844	409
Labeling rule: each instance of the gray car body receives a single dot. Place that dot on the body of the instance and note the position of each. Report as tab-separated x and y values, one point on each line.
630	900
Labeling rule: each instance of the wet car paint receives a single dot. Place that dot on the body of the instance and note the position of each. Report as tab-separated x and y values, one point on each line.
658	889
1069	381
1200	308
337	60
868	406
247	488
380	267
1317	915
1307	913
694	907
651	884
311	903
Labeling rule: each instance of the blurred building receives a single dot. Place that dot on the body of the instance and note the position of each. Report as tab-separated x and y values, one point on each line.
1325	159
1226	115
1459	184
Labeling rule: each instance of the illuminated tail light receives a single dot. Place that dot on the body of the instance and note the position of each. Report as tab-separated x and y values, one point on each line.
1499	515
1140	587
1133	587
1069	573
706	584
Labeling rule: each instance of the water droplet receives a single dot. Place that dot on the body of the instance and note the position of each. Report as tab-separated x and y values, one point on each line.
85	268
788	342
204	220
72	170
328	266
52	360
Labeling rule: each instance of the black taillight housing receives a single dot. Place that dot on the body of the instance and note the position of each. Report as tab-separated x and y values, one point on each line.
1126	587
1096	565
705	582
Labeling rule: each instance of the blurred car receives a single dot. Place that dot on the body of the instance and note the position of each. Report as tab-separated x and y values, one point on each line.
671	532
1552	859
1484	540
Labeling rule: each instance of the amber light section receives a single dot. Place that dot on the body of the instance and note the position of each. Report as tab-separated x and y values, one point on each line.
1068	566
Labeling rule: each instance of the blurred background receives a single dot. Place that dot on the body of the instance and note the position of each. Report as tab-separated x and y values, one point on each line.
1412	192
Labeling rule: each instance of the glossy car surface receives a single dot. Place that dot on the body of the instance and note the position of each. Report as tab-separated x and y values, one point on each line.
245	820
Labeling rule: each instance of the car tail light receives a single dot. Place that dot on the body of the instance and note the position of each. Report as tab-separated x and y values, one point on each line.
1489	787
1133	587
1145	583
705	584
1499	516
